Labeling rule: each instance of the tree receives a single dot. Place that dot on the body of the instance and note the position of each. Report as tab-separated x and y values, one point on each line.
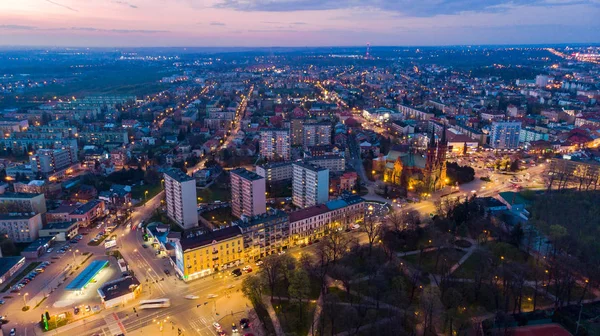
299	288
373	231
331	310
252	288
270	271
430	304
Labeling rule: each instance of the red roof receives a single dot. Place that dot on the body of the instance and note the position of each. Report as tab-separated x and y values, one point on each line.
308	212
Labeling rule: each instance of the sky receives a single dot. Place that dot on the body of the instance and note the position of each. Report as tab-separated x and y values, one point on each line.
264	23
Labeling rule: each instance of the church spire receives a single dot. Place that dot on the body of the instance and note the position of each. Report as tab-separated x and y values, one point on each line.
432	139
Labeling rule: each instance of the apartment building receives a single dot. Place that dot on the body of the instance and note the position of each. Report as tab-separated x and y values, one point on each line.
335	163
276	171
23	202
199	254
275	144
264	234
317	134
316	221
310	184
505	134
247	193
21	227
47	161
181	198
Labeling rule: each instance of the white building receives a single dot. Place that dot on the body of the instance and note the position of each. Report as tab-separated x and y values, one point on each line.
335	163
180	194
47	161
276	171
247	193
310	185
505	134
318	134
275	143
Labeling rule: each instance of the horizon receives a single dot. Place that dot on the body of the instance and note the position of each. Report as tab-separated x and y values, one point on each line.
295	23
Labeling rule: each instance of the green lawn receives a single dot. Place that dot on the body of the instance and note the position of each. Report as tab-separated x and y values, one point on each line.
21	274
295	319
138	192
427	261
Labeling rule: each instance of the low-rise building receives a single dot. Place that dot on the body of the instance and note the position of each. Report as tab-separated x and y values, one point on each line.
276	171
62	231
9	266
49	189
199	253
120	291
88	212
21	227
335	163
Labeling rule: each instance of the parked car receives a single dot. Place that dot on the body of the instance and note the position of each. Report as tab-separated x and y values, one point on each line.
236	272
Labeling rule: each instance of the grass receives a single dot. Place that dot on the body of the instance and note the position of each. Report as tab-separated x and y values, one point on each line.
138	191
576	293
289	316
115	253
427	260
87	258
214	193
343	296
219	216
21	274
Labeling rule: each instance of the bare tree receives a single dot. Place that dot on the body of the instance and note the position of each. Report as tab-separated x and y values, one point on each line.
373	231
270	271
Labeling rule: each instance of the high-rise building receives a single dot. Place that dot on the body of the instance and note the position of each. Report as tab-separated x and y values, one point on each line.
505	134
47	161
296	127
317	134
310	184
247	193
275	143
180	194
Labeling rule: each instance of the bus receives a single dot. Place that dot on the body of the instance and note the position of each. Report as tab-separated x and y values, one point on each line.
156	303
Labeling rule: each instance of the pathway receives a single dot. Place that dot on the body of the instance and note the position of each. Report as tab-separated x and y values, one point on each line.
273	316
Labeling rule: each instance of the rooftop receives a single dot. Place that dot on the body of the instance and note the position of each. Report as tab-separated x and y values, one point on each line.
195	239
178	175
308	212
276	164
59	225
309	166
86	275
246	174
7	263
86	207
35	245
19	195
118	288
270	215
17	215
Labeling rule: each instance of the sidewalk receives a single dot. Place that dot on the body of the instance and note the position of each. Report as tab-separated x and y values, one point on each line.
273	316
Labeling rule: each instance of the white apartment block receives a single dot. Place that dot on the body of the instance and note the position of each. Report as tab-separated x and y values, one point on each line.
47	161
335	163
247	193
505	134
276	171
21	227
310	185
275	143
318	134
180	194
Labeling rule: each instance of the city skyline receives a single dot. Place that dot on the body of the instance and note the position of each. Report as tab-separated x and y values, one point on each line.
258	23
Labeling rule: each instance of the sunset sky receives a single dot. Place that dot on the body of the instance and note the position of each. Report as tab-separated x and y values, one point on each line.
296	22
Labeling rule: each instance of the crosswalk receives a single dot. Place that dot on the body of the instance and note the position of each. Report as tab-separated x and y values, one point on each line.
114	324
202	326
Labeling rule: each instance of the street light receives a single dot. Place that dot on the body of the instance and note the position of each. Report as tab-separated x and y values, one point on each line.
74	260
24	301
